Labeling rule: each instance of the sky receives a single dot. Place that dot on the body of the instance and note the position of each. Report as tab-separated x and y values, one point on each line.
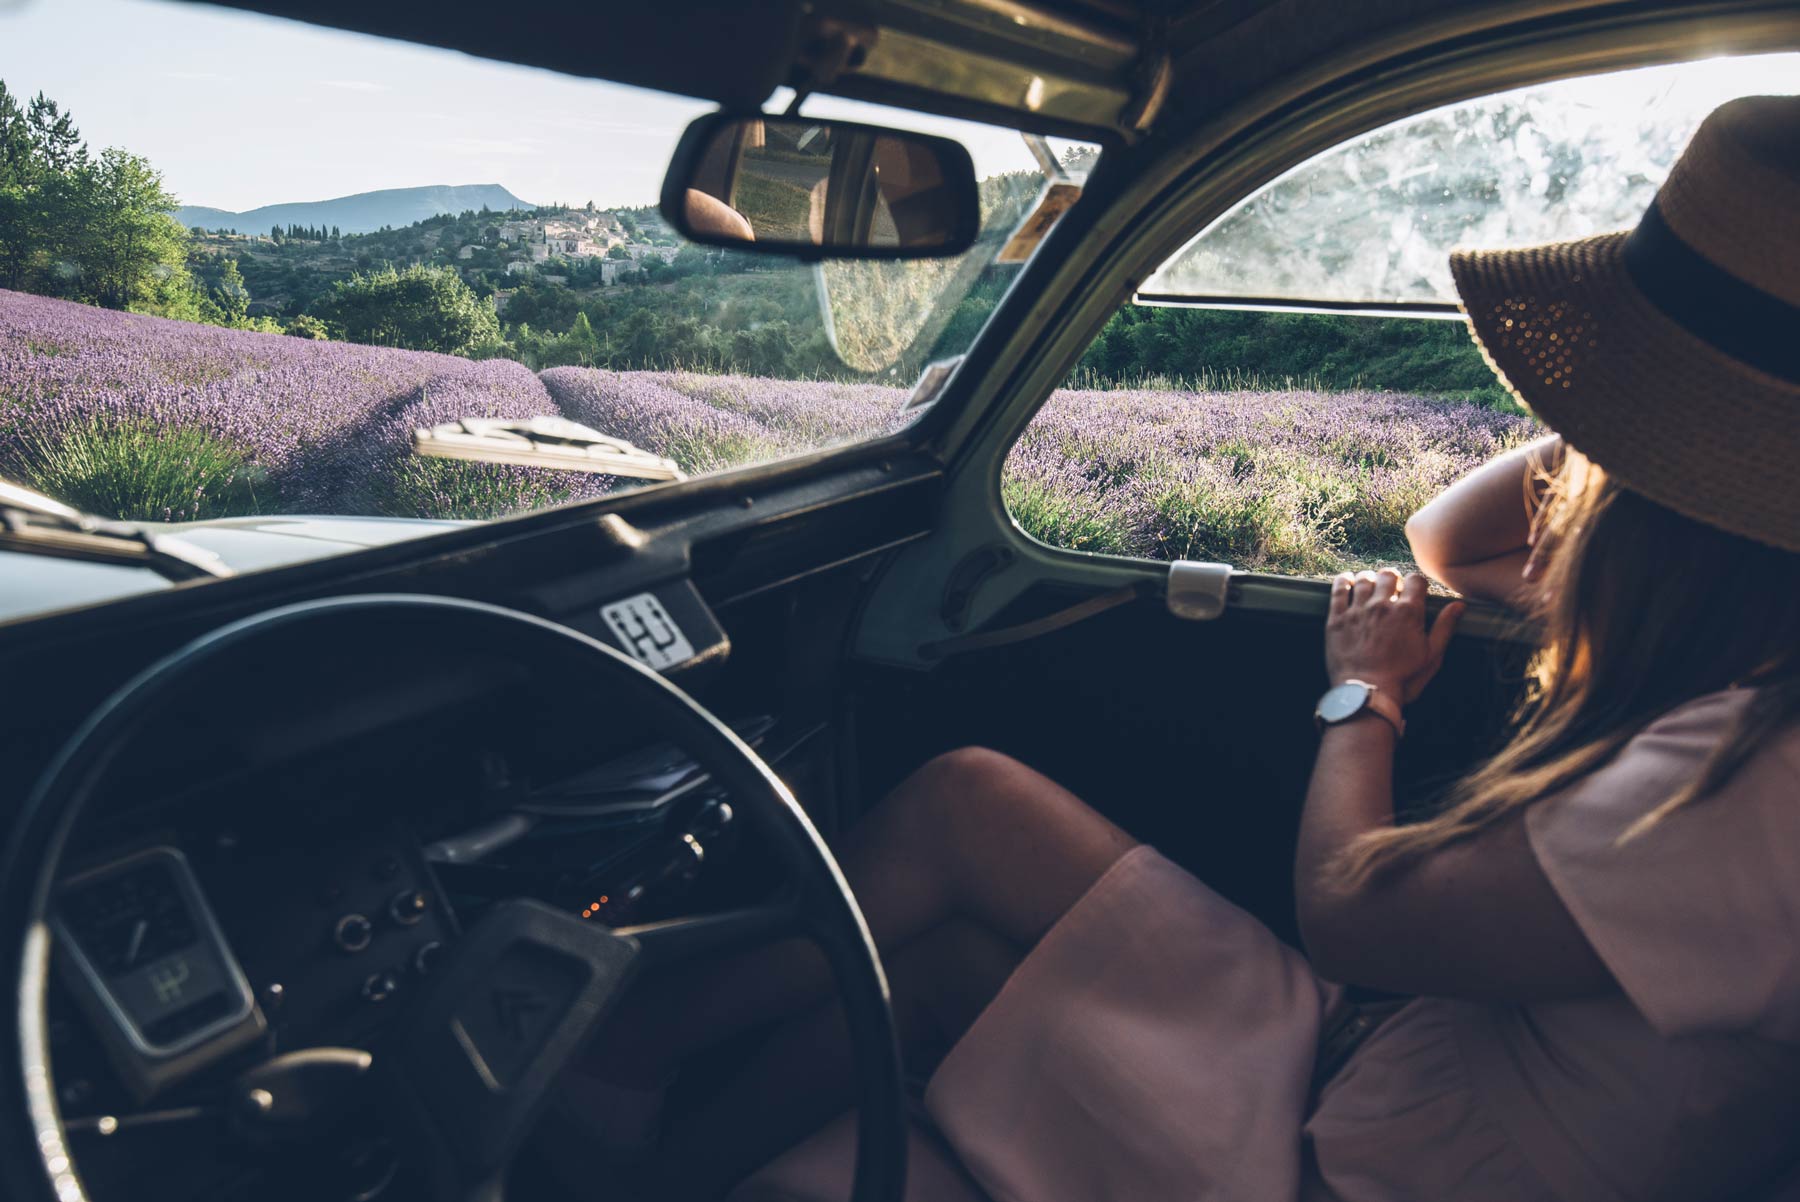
239	110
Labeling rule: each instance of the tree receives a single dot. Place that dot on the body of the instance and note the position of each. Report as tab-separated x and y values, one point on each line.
130	248
18	232
641	337
617	251
549	306
16	159
40	150
55	141
582	340
232	297
421	308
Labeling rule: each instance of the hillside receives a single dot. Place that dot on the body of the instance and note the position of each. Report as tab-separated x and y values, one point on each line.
362	213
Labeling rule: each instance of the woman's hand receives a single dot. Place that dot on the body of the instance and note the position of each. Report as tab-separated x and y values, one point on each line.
1376	632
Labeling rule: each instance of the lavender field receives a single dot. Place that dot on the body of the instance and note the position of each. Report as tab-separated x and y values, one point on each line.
148	419
1287	481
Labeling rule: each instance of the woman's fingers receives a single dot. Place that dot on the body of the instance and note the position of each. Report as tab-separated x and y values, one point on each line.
1369	586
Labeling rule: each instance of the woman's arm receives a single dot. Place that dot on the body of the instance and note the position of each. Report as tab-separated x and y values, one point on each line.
1477	919
1475	536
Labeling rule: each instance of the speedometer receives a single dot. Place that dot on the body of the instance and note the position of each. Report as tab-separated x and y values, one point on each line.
151	966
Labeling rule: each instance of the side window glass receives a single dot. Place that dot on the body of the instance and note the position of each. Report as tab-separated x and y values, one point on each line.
1372	221
1196	427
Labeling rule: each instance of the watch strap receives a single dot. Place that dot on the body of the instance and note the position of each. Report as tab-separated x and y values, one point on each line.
1385	705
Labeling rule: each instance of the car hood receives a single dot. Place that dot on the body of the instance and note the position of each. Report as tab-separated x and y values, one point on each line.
31	584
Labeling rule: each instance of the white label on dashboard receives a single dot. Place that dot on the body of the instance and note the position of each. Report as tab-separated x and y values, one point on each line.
647	631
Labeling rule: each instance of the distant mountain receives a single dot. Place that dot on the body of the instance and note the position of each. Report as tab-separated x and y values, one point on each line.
359	214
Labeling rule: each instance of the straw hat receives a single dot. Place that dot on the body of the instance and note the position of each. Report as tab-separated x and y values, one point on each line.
1670	354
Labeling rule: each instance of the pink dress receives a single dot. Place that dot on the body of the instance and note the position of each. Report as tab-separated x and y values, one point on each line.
1159	1043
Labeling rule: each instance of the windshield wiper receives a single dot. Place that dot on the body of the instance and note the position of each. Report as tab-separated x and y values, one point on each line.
32	522
542	442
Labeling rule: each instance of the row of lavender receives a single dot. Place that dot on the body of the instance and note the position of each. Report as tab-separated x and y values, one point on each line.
144	418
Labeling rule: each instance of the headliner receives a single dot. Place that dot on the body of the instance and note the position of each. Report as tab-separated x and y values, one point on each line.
1110	66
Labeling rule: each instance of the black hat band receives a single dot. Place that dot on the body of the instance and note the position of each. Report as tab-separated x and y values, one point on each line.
1739	319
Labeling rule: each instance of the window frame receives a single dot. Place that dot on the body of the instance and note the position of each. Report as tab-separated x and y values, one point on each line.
1142	205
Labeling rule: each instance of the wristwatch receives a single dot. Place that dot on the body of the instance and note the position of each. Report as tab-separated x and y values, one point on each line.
1343	702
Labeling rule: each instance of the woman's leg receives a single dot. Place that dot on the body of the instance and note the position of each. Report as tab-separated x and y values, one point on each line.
958	872
977	835
973	835
802	1075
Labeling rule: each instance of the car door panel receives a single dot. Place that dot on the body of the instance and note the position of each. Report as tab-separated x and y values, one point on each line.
1197	736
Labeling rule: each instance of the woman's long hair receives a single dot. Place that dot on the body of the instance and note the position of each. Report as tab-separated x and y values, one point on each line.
1643	610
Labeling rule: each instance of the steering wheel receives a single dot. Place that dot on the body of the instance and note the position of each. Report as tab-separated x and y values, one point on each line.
475	1086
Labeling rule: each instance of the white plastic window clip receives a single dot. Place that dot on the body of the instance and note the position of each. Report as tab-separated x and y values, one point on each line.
1197	590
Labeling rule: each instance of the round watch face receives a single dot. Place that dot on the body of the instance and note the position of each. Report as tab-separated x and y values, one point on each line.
1343	701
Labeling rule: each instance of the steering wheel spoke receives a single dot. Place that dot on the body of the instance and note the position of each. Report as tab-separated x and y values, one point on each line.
481	1049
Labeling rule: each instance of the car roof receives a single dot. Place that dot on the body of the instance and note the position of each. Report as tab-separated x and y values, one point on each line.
1084	68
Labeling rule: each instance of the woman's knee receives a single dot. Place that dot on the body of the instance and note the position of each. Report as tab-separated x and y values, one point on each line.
920	828
991	839
972	772
962	789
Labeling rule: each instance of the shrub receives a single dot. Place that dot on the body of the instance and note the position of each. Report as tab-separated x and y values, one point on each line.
420	308
308	326
140	471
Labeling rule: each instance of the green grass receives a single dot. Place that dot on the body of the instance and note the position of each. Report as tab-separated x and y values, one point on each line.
700	454
141	472
1197	520
454	490
1064	522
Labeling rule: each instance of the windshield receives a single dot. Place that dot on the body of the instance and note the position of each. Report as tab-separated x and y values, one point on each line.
251	274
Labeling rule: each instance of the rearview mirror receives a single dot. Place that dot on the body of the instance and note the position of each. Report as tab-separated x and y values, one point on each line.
821	189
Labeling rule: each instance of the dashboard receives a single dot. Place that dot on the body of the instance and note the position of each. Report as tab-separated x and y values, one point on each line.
285	813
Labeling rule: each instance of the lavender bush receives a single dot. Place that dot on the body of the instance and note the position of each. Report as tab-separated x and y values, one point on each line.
139	417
